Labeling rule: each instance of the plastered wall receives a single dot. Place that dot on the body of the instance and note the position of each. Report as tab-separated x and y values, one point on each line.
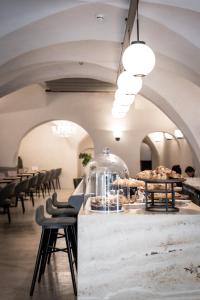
95	117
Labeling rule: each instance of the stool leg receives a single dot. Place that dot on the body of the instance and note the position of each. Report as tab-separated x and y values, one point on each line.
37	263
70	260
52	243
44	254
72	237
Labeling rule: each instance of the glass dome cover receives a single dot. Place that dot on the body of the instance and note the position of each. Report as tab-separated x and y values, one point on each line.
107	161
101	173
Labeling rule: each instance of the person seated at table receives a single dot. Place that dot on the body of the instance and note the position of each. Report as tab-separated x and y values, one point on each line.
190	171
177	169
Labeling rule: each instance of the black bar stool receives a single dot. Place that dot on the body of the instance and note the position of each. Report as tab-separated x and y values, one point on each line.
50	226
63	212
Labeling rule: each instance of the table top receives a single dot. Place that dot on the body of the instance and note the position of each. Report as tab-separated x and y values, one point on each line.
11	178
2	181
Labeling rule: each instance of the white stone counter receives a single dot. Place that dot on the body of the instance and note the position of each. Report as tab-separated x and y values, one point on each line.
193	182
135	255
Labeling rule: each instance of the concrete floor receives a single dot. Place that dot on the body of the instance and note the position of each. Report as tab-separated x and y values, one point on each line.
18	248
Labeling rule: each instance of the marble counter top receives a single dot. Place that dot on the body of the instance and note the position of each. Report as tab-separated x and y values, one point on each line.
185	207
193	182
137	255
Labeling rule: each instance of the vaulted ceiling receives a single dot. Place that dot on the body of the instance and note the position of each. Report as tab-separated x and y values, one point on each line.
44	40
76	46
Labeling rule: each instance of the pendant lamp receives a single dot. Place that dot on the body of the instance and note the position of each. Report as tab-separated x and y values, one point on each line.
138	59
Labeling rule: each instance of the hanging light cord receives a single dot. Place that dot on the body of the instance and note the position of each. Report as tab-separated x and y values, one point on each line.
138	36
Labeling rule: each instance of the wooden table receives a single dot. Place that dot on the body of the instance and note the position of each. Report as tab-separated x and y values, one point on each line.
11	178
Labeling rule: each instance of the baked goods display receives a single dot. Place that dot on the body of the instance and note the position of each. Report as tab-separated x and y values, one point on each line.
111	203
130	182
163	196
160	173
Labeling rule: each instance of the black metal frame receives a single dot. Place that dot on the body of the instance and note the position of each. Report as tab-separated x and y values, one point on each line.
165	204
47	247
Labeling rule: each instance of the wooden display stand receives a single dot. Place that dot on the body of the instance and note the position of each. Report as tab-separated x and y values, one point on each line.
164	204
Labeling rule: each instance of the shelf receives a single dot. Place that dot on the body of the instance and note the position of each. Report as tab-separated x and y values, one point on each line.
158	191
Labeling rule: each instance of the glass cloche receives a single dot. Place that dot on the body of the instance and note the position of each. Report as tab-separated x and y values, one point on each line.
102	176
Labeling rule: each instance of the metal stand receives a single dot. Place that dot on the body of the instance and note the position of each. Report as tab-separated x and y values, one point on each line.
166	204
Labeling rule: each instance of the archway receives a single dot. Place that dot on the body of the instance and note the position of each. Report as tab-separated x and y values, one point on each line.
45	149
168	150
149	157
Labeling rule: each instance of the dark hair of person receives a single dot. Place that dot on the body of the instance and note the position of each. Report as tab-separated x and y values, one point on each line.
189	169
177	169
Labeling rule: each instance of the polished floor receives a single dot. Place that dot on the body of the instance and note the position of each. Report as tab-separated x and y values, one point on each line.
18	249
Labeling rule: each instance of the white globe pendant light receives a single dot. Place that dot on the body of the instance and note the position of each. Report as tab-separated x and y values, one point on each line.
124	99
117	114
120	108
128	83
138	59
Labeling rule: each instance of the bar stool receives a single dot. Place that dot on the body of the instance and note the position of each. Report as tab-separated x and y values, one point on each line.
74	201
63	212
49	227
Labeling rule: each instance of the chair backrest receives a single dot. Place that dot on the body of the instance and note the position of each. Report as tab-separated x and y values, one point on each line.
33	181
58	172
41	177
52	173
76	201
39	215
7	191
47	176
22	186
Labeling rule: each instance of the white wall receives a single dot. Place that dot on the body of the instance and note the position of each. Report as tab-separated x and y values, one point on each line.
42	148
173	152
85	145
92	111
145	152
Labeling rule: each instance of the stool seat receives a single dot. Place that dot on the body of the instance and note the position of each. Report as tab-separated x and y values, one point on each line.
57	223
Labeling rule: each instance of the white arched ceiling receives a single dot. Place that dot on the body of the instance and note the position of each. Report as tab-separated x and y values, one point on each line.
70	33
43	40
43	72
74	24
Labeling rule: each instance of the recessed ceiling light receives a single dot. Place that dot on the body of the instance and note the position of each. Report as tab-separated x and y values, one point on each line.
100	17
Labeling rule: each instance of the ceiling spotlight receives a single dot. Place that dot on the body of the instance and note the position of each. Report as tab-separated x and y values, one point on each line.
117	133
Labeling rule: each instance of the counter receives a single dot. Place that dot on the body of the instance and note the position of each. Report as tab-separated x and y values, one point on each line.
139	255
192	187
